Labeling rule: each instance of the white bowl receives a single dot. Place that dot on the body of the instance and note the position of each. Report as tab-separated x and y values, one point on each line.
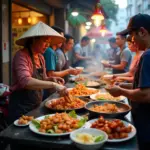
108	76
93	146
80	68
104	62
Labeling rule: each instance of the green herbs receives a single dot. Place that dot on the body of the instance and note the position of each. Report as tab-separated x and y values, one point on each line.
72	114
81	122
99	138
36	123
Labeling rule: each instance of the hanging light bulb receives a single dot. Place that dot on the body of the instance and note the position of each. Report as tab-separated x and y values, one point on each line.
93	40
19	19
74	13
29	18
34	20
97	15
88	23
103	30
87	27
97	22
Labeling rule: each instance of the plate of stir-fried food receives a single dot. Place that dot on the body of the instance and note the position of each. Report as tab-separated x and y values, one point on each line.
109	109
66	103
82	90
117	130
106	96
58	124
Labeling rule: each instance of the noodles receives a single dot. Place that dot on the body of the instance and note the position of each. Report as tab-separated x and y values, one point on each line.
81	90
106	108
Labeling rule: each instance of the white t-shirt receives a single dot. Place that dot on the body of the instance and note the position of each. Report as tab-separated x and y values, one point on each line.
83	51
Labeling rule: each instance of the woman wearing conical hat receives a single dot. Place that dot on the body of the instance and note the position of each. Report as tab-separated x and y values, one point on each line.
28	70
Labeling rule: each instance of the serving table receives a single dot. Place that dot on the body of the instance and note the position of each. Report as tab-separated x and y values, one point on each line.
21	138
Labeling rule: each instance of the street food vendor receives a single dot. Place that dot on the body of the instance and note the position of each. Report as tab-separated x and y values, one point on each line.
29	73
139	29
80	53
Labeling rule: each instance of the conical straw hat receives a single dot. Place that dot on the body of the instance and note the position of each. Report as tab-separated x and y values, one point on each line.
41	29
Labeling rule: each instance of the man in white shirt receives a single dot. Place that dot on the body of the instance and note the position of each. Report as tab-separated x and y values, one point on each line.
80	52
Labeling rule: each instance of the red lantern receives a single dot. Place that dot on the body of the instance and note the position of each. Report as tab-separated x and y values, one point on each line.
97	15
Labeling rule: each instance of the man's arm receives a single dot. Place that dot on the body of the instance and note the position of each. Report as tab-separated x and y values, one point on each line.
79	57
58	74
130	79
138	95
126	85
64	72
121	66
142	93
127	74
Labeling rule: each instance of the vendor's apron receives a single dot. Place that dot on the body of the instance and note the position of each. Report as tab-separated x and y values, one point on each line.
118	61
66	66
23	101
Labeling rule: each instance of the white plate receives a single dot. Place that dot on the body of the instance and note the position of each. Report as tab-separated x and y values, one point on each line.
93	96
104	62
69	89
90	85
35	130
79	68
130	135
72	78
20	125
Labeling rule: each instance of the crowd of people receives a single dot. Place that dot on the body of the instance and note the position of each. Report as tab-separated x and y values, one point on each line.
42	67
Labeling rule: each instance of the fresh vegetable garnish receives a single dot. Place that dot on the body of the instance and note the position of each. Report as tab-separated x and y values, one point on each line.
36	123
99	138
50	131
72	114
82	122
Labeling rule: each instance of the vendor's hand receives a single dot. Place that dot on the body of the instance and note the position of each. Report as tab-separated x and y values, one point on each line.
79	71
114	76
114	91
73	71
62	90
59	80
106	65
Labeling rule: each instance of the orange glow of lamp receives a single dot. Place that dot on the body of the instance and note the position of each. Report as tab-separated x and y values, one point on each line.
20	19
29	19
97	15
103	30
